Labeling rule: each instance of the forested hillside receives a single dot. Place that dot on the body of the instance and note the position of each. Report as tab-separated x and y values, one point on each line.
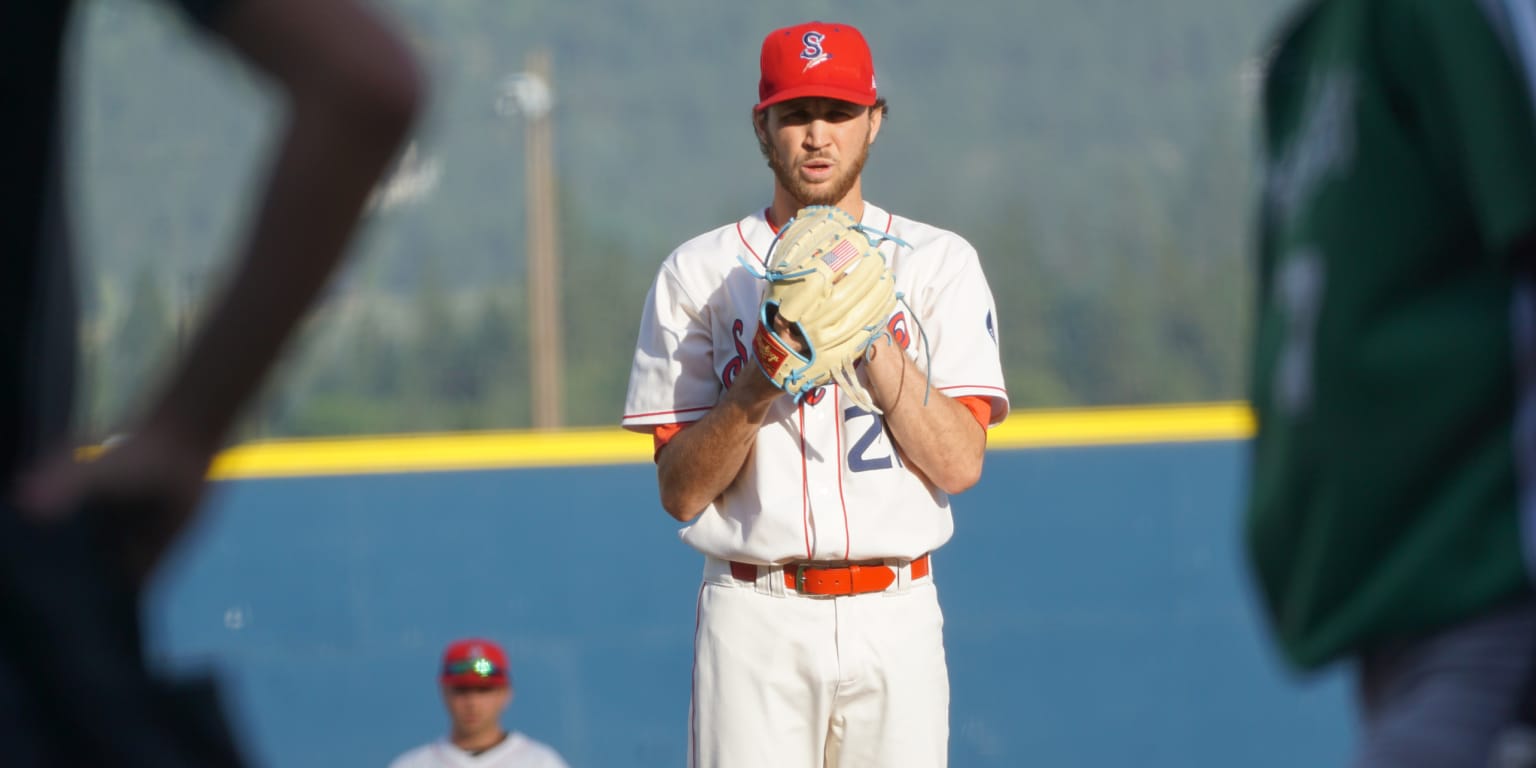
1097	153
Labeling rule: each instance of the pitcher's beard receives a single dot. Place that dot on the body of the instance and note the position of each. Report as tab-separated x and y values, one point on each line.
807	194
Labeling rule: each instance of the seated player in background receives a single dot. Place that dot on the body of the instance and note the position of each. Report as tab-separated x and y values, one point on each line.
477	687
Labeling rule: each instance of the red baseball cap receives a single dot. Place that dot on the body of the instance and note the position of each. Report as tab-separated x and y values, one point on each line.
475	663
816	59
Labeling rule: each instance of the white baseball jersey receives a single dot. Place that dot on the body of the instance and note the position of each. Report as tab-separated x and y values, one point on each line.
824	482
515	751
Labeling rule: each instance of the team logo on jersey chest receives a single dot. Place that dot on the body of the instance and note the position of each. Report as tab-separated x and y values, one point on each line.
733	367
897	327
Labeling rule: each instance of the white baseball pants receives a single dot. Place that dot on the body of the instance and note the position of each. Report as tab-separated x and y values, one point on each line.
782	680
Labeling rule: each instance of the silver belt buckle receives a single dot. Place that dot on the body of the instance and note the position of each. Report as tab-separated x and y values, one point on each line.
800	578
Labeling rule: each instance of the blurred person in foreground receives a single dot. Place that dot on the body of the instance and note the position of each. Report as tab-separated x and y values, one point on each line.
477	687
1392	520
78	540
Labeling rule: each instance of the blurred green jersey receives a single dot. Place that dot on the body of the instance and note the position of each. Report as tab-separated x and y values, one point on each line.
1394	368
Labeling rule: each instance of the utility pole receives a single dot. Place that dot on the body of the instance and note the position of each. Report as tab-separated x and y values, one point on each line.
529	93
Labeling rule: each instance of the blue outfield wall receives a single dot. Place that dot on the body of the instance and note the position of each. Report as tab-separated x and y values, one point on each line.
1097	614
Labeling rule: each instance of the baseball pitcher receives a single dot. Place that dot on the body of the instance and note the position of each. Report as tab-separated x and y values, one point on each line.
819	378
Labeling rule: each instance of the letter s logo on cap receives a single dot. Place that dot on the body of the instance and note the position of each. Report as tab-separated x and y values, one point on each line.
812	53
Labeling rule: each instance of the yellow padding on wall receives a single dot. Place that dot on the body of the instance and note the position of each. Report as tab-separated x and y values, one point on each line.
432	453
577	447
1122	426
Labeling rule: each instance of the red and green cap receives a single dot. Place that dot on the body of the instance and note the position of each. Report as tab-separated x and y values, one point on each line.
475	663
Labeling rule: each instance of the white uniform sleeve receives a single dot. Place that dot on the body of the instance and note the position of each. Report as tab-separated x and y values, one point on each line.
959	316
673	377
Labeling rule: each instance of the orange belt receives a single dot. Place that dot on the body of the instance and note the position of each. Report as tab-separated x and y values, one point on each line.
813	579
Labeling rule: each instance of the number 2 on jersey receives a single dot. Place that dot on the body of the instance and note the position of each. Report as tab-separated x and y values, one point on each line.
859	459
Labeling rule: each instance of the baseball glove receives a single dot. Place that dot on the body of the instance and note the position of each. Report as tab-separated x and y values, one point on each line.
829	281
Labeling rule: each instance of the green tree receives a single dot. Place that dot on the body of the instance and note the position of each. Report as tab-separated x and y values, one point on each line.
604	287
1026	292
